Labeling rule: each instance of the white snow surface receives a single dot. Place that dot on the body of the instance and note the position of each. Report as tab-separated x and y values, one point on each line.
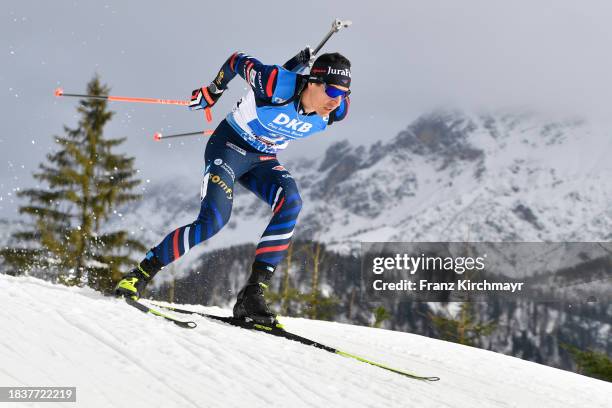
117	356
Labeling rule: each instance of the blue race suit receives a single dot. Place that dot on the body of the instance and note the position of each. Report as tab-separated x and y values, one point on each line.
243	148
268	116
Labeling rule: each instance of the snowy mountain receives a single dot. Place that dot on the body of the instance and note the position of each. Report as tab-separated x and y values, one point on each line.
117	356
449	176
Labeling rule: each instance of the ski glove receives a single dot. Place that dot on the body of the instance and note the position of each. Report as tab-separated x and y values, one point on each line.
307	57
205	97
303	59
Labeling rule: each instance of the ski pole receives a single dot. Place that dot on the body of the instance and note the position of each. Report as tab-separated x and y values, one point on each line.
60	92
158	136
337	24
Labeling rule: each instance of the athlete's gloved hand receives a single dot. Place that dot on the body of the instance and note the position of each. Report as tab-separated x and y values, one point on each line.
307	57
205	97
303	59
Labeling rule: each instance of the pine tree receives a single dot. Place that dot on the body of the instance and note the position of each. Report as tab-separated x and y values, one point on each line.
592	363
319	306
85	181
291	301
287	297
380	315
464	328
286	288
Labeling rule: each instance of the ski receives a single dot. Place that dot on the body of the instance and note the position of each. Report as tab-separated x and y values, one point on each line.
147	309
279	331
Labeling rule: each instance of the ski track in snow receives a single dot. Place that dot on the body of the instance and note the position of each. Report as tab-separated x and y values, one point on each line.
117	356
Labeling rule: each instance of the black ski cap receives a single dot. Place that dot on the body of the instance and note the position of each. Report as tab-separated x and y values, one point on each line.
333	69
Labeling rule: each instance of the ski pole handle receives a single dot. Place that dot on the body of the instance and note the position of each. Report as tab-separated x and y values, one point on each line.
337	24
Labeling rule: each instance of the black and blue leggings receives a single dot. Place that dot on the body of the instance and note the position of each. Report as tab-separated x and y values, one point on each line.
229	158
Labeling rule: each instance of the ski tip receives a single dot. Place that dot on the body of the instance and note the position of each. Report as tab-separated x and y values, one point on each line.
157	136
59	92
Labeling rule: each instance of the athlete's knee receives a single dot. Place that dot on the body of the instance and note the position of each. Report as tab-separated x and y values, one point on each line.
293	195
296	201
289	202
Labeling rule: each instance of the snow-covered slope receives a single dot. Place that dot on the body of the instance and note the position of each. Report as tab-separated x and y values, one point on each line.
118	357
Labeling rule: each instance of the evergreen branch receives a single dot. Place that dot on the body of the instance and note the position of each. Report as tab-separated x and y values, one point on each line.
44	212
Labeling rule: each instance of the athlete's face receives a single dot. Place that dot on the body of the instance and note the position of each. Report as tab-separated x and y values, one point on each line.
320	102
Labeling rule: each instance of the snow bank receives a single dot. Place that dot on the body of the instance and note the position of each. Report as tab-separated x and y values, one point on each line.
117	356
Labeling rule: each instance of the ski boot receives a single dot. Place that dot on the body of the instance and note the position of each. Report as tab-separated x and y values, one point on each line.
132	284
251	304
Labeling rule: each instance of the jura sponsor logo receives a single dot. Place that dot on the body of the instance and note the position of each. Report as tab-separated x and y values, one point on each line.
293	124
334	71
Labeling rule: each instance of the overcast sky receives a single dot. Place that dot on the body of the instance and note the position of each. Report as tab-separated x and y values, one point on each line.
408	57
